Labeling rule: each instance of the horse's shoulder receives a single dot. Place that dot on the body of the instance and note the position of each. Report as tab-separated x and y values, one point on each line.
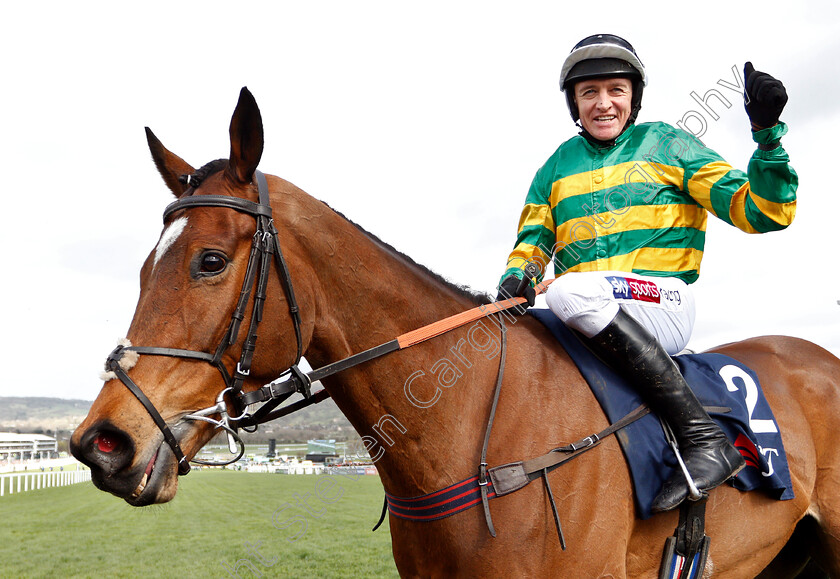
538	350
536	335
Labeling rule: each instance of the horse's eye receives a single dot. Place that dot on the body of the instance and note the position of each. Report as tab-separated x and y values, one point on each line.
211	263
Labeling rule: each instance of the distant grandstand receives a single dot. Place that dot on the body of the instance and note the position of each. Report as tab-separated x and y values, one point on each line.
27	446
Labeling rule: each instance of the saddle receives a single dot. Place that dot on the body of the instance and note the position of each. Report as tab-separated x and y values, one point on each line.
731	392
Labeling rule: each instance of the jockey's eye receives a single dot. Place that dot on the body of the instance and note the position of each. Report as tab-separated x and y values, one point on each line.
210	263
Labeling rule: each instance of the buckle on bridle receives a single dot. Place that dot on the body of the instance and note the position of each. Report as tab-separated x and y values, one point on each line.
303	383
183	466
266	238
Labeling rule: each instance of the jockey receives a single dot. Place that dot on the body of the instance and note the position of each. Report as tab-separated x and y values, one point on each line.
621	212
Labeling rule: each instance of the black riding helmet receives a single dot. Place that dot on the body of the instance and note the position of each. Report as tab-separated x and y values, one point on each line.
603	55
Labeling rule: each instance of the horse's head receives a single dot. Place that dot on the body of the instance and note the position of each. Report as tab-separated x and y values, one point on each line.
196	312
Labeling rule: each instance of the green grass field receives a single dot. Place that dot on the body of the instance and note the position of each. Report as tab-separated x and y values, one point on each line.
79	531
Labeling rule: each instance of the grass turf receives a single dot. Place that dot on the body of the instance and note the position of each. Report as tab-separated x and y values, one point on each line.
221	524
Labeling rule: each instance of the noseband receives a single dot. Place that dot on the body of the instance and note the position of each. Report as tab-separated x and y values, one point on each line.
264	247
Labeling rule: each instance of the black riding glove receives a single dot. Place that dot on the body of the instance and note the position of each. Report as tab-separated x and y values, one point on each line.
513	287
764	97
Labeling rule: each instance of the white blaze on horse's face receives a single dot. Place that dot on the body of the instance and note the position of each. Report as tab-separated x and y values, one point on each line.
168	238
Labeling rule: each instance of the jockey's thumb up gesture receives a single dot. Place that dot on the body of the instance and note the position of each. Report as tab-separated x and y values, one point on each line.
764	97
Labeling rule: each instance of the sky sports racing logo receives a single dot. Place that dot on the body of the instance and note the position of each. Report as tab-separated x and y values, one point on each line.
634	289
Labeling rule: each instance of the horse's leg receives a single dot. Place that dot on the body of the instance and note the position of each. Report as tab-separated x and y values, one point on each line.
801	383
826	547
794	560
825	503
813	571
820	394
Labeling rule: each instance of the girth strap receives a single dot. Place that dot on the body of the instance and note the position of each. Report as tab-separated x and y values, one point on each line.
511	477
685	553
558	456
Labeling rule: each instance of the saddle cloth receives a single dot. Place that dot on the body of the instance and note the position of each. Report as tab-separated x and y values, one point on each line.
717	380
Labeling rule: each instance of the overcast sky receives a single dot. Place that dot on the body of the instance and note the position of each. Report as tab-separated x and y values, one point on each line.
422	122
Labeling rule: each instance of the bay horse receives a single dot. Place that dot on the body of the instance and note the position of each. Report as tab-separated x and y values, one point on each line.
424	423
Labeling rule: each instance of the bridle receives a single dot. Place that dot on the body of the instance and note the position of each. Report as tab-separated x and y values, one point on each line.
265	248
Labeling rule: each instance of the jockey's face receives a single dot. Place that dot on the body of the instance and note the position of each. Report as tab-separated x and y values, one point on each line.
604	106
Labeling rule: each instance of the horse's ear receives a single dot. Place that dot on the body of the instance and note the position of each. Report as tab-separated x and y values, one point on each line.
169	165
246	138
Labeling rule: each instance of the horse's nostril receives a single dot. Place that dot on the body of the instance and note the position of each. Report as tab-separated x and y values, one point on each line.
106	443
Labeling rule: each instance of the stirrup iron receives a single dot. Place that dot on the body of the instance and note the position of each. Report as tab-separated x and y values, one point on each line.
694	494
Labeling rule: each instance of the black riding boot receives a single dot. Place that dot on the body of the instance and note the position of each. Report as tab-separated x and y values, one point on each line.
709	456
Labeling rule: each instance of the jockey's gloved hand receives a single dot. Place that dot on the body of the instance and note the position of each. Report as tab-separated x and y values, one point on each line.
764	97
512	287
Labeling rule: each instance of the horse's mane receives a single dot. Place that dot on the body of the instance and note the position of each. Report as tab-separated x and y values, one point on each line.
478	298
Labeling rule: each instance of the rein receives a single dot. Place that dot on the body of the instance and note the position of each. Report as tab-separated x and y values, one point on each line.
266	246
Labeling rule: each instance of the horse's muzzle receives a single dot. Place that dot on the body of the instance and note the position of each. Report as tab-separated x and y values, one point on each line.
115	467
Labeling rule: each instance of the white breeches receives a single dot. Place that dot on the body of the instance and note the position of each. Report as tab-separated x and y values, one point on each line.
588	301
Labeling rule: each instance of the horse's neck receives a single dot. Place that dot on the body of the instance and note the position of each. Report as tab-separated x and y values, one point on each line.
367	292
368	295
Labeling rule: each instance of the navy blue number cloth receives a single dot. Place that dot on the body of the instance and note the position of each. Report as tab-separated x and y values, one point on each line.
717	380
